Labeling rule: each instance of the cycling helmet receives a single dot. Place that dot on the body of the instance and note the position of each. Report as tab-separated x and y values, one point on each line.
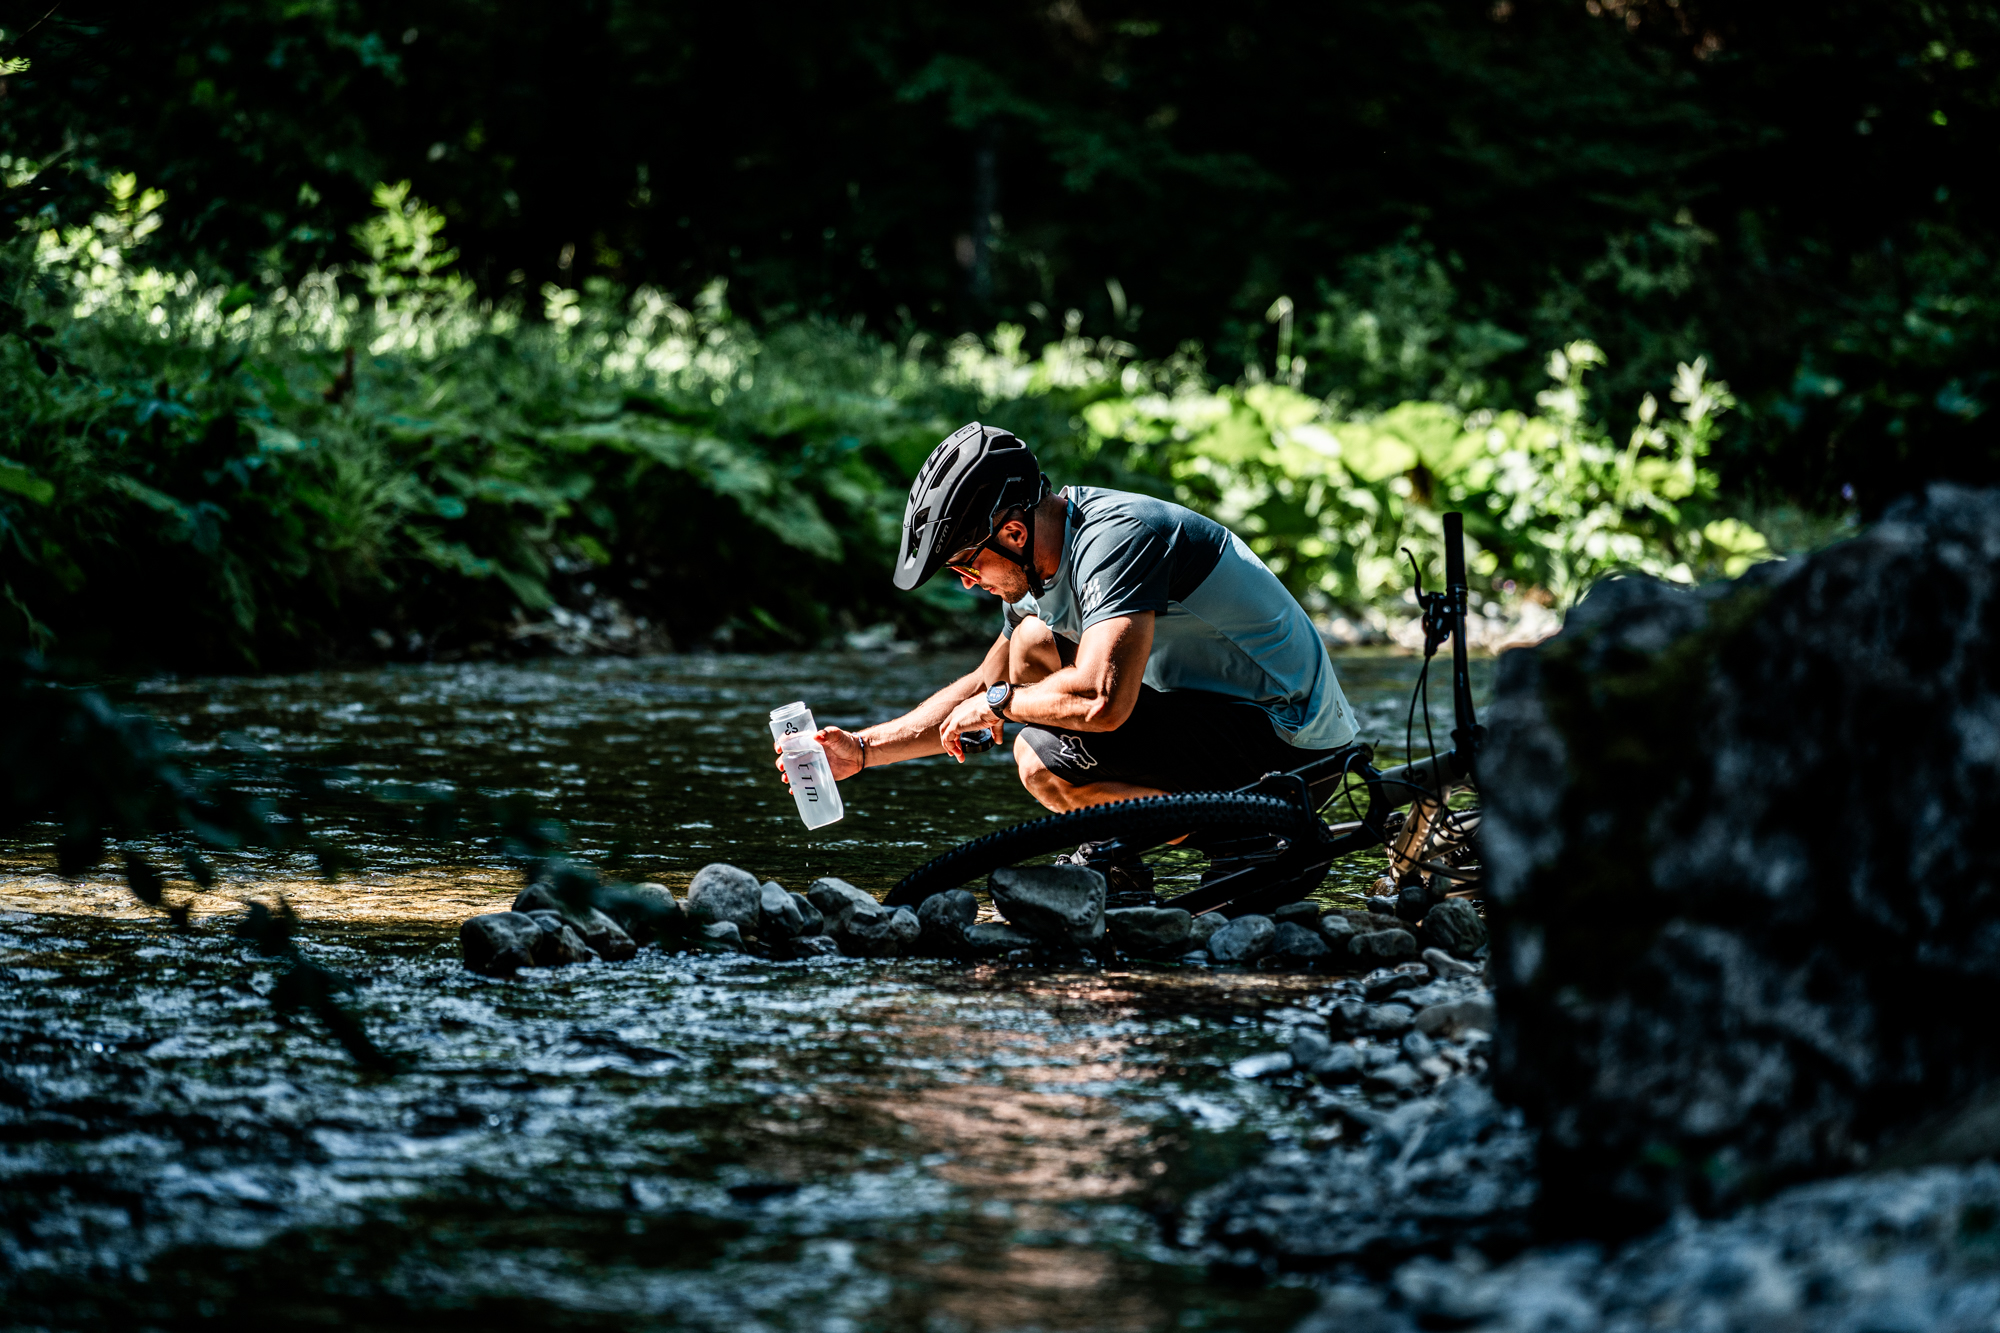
976	475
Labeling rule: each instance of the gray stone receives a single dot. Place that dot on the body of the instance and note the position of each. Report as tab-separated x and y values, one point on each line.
1386	981
811	921
1244	940
721	892
1417	1047
599	933
1454	926
1196	957
883	933
994	939
498	943
1456	1016
1268	1064
1300	913
559	945
1062	904
1444	967
1397	1080
1309	1048
1413	900
1383	906
944	917
815	946
838	901
1374	1020
1203	928
1295	942
779	917
1738	850
1021	957
1149	931
723	935
1337	928
646	912
1342	1064
1382	946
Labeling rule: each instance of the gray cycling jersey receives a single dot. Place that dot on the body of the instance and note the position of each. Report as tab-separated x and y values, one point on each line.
1221	619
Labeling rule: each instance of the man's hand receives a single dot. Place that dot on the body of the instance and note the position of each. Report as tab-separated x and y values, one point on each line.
843	754
968	716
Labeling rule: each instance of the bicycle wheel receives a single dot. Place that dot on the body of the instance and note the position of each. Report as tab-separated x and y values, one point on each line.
1139	824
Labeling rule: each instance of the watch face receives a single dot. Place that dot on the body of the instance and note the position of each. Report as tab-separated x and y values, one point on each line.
996	695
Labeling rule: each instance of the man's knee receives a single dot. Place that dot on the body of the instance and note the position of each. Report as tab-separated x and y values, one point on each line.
1035	774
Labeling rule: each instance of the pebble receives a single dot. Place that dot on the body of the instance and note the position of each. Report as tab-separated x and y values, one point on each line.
1063	904
1262	1065
1455	1016
1416	1046
1397	1080
1386	981
1300	913
994	939
1244	940
724	935
1341	1065
721	892
1445	967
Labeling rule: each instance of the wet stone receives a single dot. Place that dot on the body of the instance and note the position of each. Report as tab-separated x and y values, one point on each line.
1444	967
559	944
721	892
1414	900
1386	981
1398	1080
1456	1016
1454	926
838	901
1309	1049
599	932
1149	930
779	917
722	935
1383	946
498	943
1295	942
1300	913
1337	928
995	939
811	922
943	918
1244	940
646	912
1063	904
884	933
1342	1064
1203	928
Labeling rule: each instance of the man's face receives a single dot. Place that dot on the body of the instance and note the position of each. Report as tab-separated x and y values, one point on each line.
992	572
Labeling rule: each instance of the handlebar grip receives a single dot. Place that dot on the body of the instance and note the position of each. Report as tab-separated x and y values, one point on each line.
1454	550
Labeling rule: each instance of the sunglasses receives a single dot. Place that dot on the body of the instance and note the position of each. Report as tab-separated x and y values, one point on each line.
962	563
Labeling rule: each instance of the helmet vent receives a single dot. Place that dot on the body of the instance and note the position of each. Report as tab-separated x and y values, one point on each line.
917	526
941	467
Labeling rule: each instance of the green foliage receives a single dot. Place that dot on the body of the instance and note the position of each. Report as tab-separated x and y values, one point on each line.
200	475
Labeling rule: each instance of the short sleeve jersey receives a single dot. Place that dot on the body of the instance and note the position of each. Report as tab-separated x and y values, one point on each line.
1222	621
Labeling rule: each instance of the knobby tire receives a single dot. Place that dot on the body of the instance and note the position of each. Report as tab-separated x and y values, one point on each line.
1143	823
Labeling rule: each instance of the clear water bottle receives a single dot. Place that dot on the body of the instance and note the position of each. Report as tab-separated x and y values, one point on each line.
806	765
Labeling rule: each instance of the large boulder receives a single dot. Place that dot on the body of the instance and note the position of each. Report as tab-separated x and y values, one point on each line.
1059	904
1739	846
722	892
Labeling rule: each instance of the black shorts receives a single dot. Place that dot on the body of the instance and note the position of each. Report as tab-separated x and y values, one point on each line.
1175	740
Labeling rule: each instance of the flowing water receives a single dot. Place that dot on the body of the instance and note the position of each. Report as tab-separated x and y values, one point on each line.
682	1141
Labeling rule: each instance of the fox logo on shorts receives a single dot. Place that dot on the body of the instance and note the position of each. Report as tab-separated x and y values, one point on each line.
1073	753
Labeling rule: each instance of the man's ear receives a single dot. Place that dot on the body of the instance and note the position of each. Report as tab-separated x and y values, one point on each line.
1013	534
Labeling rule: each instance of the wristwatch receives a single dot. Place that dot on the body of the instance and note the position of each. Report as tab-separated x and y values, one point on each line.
998	696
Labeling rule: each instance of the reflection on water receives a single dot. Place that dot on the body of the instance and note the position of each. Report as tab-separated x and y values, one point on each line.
674	1142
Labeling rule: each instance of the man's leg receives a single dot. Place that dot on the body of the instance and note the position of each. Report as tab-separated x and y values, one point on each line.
1034	652
1057	794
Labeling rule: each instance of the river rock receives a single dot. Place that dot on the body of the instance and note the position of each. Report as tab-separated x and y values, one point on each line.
600	933
499	943
1382	946
559	945
838	901
721	892
1739	854
943	918
1444	967
813	946
1061	904
1337	928
1244	940
778	917
1414	900
1149	931
882	933
724	936
995	939
1202	929
646	912
1474	1014
1294	942
811	921
1454	926
1299	913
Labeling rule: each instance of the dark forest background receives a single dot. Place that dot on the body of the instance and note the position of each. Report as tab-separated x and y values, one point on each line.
1438	192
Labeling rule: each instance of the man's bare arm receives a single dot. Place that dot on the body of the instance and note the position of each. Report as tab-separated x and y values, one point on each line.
915	733
1098	693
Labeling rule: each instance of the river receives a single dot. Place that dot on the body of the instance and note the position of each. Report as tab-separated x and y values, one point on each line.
682	1141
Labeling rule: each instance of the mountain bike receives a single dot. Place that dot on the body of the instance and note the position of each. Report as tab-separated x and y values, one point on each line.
1275	840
